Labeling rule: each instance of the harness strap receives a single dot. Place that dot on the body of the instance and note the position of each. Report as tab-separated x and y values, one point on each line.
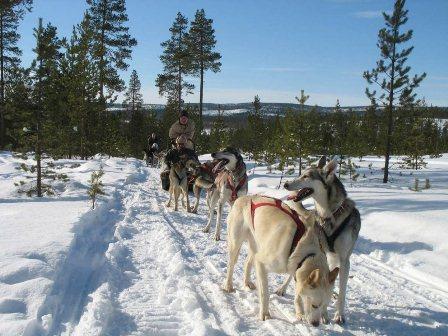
300	228
178	177
237	188
309	255
331	239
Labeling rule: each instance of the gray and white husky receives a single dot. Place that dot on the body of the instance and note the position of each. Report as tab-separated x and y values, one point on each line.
337	217
230	183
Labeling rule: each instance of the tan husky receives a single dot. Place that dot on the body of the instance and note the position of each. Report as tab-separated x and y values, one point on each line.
279	242
179	184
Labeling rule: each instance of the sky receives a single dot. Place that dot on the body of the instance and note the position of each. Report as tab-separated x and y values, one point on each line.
274	48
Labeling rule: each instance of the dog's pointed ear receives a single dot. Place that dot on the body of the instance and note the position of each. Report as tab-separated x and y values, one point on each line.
333	275
313	278
330	168
322	162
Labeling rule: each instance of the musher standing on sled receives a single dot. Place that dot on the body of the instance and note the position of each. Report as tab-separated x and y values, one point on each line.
183	126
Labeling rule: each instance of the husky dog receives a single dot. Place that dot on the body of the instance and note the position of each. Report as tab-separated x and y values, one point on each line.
179	183
230	183
339	220
279	242
204	178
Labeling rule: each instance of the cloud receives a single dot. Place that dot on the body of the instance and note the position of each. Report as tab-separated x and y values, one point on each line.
368	14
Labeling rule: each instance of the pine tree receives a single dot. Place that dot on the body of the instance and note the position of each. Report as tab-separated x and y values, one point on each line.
340	135
112	43
255	129
176	60
202	42
218	132
299	124
80	75
11	13
392	74
96	186
44	70
133	102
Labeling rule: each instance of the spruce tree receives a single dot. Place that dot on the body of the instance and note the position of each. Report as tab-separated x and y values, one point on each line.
112	43
11	13
392	74
176	60
202	42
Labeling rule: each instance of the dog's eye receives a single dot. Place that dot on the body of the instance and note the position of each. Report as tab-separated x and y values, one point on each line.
314	306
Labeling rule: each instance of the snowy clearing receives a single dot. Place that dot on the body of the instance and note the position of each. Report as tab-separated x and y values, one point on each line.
134	267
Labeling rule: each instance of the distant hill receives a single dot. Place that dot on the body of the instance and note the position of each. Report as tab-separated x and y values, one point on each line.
240	110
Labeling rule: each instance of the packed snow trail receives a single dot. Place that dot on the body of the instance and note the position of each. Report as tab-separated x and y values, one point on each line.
162	276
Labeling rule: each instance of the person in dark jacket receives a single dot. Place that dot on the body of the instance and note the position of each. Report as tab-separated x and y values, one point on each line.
151	149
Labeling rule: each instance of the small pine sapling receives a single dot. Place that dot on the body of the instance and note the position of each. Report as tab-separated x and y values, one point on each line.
96	186
415	188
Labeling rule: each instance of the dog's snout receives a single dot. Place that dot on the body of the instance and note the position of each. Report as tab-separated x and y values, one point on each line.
286	185
315	323
213	155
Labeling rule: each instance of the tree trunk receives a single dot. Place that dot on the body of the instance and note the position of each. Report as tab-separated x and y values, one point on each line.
2	87
390	119
38	119
201	94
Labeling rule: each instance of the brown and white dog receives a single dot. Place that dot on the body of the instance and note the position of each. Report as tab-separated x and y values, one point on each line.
179	183
279	242
230	183
204	178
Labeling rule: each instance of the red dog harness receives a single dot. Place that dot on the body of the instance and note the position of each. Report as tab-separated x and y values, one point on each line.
234	189
300	228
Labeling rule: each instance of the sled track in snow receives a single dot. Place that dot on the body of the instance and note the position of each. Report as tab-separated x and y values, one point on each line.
85	266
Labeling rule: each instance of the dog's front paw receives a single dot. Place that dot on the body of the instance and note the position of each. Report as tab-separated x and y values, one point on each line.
280	291
264	316
228	288
167	205
339	319
206	229
300	317
217	237
249	285
194	210
325	319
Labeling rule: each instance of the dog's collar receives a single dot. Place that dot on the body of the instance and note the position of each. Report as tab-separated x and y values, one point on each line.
309	255
344	205
237	167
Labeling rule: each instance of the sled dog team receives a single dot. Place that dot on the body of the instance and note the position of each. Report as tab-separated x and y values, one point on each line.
305	244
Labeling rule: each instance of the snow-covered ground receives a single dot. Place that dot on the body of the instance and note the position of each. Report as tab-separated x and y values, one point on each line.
134	267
